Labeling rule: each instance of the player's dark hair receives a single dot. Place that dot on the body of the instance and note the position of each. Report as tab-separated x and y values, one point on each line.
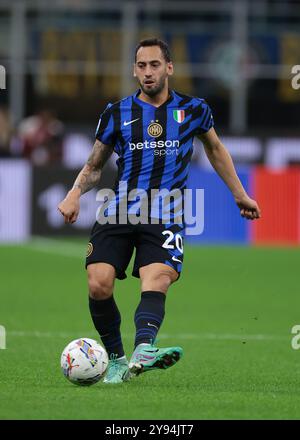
155	42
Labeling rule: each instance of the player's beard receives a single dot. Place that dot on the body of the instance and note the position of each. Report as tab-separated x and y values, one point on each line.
154	90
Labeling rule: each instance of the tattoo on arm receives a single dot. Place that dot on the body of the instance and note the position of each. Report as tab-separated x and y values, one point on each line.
90	174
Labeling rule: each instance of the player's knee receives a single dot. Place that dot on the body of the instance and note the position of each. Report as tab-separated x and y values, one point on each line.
159	282
100	287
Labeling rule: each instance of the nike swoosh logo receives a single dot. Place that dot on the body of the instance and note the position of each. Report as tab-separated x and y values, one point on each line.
152	325
176	259
130	122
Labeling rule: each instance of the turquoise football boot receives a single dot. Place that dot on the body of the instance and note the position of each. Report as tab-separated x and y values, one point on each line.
117	370
147	357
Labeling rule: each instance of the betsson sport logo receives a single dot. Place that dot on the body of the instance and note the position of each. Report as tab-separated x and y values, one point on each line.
159	147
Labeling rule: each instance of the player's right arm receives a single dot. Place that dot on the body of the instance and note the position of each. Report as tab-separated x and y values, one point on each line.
87	179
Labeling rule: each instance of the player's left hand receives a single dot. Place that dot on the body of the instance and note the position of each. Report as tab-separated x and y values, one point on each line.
249	209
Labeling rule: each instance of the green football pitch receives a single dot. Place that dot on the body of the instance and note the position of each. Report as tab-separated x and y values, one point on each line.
232	311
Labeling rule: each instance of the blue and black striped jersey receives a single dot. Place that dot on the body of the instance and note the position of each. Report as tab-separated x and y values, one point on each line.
154	144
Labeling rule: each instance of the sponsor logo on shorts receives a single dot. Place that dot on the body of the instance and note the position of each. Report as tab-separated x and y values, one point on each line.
89	250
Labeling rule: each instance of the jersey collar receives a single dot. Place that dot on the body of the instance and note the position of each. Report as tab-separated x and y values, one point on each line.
144	103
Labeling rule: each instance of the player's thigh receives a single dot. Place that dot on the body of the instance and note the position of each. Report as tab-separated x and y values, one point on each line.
101	279
113	245
157	277
159	255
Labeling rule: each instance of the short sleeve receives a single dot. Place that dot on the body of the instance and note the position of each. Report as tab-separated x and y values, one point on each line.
105	129
205	118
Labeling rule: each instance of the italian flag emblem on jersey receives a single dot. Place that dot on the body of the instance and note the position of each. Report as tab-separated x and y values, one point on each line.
178	115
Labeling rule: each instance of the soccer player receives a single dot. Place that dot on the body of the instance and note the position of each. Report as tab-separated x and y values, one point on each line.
152	132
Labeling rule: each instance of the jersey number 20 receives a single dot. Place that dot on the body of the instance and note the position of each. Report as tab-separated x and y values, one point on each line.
170	238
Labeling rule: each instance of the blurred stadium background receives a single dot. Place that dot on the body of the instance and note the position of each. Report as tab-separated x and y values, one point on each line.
64	60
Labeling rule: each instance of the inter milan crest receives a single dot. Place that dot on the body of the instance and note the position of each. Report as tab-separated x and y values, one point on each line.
178	115
155	129
89	250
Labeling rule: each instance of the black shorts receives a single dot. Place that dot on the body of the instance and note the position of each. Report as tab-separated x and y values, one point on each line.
154	243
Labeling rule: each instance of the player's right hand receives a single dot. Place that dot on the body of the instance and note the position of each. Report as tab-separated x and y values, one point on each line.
69	207
249	208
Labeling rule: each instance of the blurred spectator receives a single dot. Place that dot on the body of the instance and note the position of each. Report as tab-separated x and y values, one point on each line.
6	134
42	136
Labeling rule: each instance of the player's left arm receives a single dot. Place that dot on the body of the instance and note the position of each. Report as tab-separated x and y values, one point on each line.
222	162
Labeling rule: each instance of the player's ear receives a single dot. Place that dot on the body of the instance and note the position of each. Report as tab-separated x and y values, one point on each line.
134	72
170	69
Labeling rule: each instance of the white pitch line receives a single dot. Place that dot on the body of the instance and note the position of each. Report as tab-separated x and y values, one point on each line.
182	336
67	249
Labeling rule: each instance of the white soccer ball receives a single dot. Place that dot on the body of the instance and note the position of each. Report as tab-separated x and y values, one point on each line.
84	361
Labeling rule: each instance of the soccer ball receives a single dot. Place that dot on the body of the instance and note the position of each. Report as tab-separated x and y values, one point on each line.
84	361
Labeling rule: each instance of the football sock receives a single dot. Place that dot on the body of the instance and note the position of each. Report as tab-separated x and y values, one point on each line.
149	316
107	320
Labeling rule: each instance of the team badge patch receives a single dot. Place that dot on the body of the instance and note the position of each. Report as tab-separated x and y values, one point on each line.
89	250
155	129
178	115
